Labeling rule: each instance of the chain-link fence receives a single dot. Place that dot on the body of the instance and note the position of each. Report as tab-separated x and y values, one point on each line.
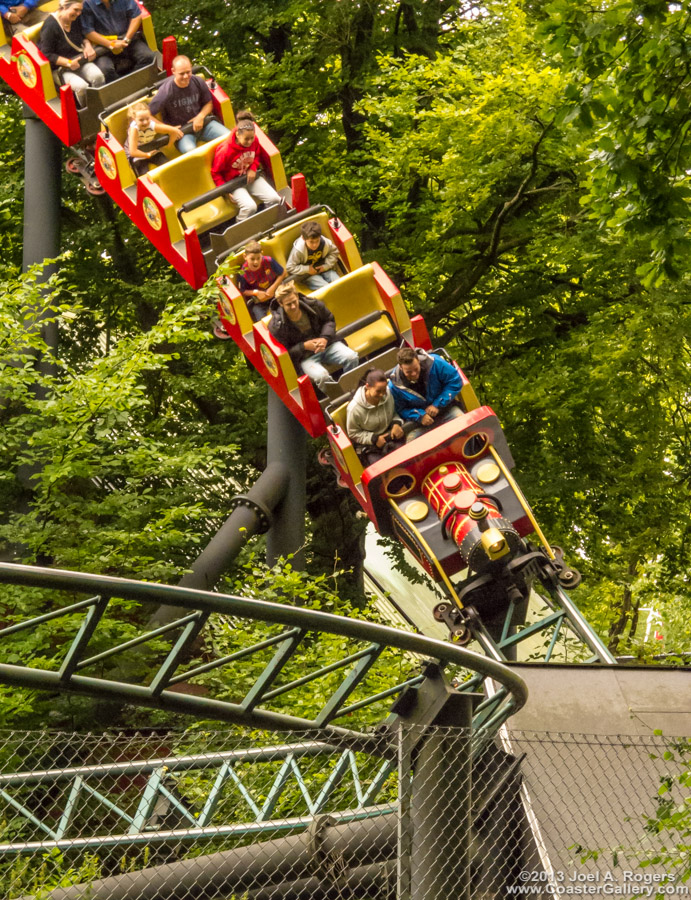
423	815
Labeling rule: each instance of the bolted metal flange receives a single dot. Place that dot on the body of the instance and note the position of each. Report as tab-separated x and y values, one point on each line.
262	512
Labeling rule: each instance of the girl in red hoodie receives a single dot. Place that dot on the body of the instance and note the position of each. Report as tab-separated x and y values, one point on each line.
240	154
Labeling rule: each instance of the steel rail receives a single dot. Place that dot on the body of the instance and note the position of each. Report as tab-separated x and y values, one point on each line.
230	605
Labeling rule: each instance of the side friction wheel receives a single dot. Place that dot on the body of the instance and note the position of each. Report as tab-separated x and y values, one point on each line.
74	165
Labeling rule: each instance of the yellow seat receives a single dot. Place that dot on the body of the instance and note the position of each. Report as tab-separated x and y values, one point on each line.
118	122
187	177
353	297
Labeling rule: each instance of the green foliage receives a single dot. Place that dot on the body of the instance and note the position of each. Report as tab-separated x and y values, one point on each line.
91	440
627	63
514	167
23	877
666	843
670	825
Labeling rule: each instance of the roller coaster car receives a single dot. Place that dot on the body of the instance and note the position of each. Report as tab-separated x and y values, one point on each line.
450	499
29	74
177	203
448	496
370	317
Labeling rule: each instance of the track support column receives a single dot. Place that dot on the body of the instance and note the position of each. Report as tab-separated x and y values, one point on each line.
434	725
441	815
252	513
287	445
42	183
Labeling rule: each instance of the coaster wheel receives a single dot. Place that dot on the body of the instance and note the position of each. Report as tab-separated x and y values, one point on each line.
95	189
74	165
220	332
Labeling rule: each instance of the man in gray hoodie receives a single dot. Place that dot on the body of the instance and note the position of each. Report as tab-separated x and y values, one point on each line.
371	420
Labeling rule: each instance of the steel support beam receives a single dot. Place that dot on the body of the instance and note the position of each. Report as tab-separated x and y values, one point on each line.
271	863
252	514
435	733
42	183
287	445
441	815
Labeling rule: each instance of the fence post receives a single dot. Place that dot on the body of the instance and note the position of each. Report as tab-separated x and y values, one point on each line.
404	823
441	814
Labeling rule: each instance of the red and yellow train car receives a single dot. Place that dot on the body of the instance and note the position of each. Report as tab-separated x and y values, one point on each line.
178	207
367	306
29	74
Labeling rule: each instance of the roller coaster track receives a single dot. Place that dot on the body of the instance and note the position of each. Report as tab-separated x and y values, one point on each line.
259	675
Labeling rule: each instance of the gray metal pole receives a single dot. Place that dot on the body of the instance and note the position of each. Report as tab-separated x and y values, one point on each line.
252	514
362	843
42	183
441	814
41	234
287	444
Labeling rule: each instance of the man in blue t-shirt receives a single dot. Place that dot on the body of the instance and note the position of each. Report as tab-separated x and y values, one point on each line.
184	99
115	25
18	16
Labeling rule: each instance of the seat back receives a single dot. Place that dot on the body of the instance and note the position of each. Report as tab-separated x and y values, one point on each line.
281	243
32	32
118	124
188	176
354	297
340	415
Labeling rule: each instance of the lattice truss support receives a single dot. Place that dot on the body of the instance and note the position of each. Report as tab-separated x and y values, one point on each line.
188	797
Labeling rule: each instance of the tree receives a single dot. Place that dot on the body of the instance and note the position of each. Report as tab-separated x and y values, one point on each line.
628	91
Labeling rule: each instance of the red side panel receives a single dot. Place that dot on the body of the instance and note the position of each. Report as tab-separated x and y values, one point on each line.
300	196
22	72
387	289
271	360
421	336
149	210
340	236
169	50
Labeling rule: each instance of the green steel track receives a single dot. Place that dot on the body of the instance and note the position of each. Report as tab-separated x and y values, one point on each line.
351	680
356	683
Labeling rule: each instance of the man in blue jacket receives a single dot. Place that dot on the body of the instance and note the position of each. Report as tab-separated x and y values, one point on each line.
424	388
